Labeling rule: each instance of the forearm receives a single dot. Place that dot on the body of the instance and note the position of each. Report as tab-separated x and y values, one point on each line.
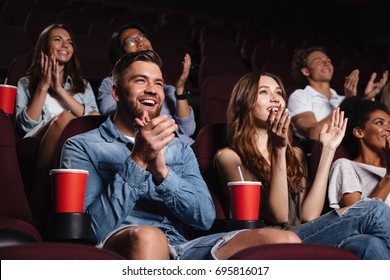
314	201
311	127
313	131
187	125
188	198
183	109
278	193
73	105
382	189
34	109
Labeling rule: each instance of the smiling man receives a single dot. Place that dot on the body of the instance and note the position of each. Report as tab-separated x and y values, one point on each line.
144	187
311	107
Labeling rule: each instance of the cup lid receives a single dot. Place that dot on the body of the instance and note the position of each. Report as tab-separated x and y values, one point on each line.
9	86
250	183
65	170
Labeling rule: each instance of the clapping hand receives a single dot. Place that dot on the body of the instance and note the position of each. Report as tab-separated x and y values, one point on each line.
332	134
50	78
151	137
372	88
351	82
184	75
277	124
46	71
55	75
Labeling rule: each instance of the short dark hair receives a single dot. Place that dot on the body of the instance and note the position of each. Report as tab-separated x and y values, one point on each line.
299	61
126	60
115	49
357	110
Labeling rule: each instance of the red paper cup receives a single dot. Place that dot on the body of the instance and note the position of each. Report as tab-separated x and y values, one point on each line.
245	199
7	98
68	189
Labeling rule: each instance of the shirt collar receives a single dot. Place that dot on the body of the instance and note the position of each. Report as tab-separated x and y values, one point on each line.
110	132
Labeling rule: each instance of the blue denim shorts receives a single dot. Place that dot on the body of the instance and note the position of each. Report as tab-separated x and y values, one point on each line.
201	248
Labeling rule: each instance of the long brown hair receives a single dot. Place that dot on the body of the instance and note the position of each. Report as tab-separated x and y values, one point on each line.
241	134
72	68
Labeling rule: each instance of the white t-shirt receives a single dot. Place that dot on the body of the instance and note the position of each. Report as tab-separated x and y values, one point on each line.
308	99
347	176
54	105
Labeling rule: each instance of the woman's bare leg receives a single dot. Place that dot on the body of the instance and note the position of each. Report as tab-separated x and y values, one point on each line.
40	198
250	238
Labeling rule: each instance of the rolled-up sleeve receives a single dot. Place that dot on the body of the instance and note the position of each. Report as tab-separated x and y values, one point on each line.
105	101
89	100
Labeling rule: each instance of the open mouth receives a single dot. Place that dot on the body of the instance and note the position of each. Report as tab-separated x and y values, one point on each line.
274	109
148	102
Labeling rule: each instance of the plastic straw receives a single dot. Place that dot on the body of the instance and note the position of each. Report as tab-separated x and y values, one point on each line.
239	171
5	81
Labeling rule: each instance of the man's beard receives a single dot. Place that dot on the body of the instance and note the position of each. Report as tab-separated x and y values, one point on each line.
135	112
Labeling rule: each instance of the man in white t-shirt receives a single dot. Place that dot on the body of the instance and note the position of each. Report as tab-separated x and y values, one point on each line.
311	106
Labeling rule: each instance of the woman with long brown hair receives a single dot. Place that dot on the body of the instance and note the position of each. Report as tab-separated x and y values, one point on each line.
259	138
52	93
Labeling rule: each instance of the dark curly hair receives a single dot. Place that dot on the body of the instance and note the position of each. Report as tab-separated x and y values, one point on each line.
358	111
299	61
115	49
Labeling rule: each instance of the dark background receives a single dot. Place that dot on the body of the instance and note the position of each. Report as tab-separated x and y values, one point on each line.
365	19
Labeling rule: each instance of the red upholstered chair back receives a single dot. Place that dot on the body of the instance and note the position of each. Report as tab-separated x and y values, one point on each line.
209	140
215	65
215	97
18	68
78	126
56	251
294	252
15	211
13	201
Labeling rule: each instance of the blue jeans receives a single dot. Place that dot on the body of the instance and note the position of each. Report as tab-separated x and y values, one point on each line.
369	217
367	247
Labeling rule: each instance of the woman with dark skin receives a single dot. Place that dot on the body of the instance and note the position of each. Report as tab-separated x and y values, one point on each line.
366	174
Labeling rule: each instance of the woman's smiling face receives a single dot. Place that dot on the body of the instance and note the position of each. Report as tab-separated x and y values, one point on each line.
375	130
269	96
61	45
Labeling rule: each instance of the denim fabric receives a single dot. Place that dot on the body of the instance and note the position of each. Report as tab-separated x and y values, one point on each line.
120	193
28	126
368	216
186	125
366	247
201	248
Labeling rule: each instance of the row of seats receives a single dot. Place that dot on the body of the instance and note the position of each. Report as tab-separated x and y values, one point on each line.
219	65
218	48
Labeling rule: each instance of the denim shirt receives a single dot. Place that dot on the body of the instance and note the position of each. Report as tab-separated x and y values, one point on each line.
187	125
120	193
28	126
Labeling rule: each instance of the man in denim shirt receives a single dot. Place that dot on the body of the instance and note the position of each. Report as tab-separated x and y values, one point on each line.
144	185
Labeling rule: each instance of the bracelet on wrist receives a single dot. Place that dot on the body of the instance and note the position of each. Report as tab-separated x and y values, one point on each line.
182	96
